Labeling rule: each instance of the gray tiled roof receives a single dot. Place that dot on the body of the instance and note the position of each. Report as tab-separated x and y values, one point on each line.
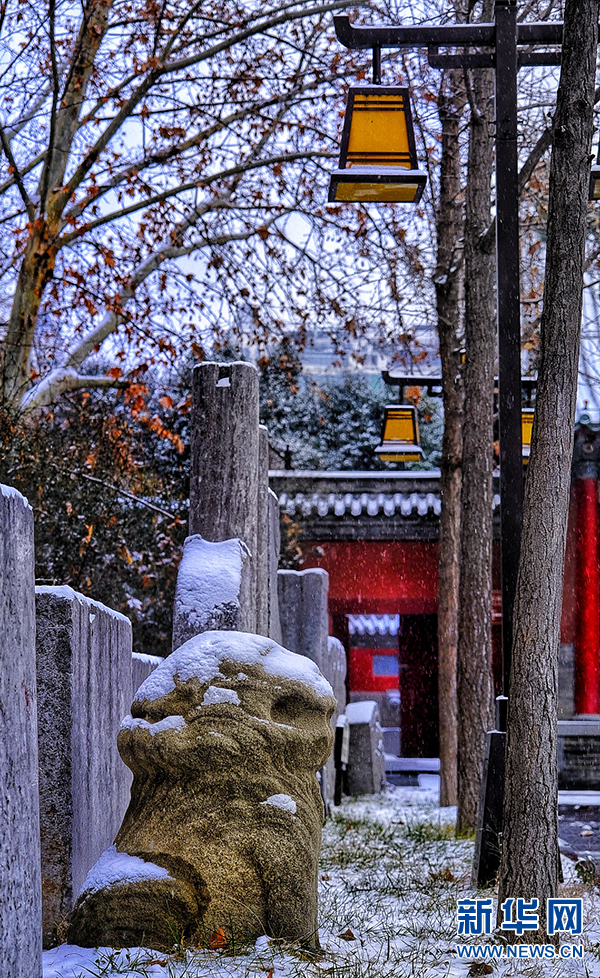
360	504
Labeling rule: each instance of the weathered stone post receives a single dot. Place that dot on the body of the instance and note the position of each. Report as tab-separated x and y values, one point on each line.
366	769
303	613
262	550
304	627
224	476
274	550
20	881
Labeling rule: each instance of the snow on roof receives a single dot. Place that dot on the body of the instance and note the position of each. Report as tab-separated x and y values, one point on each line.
373	624
202	655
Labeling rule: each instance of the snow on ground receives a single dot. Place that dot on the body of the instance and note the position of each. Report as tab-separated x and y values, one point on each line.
391	872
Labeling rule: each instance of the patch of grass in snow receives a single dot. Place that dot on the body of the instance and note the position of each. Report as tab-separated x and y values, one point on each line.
394	886
122	962
423	831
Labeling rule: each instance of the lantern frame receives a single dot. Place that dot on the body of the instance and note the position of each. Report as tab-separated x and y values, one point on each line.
527	414
396	449
377	172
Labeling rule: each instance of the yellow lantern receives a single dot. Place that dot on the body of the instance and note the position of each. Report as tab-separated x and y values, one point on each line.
400	441
595	183
526	429
378	157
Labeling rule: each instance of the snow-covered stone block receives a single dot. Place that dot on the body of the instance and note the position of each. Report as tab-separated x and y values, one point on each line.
84	669
210	582
224	828
20	888
366	766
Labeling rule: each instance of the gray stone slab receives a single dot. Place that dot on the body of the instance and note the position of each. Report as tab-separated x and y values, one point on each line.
84	666
141	667
303	612
20	884
224	473
366	766
304	620
334	669
579	728
274	551
261	564
566	677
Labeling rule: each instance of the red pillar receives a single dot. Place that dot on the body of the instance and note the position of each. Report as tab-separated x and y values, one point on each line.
587	642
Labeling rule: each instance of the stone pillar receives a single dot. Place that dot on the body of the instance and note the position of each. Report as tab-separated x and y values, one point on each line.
303	612
84	667
587	642
366	767
304	628
274	551
334	670
262	549
20	888
225	463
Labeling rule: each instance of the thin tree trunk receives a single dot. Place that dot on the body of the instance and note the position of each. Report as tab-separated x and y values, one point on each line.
530	838
474	674
451	102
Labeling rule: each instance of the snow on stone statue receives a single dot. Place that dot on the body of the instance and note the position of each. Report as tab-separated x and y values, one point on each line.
224	825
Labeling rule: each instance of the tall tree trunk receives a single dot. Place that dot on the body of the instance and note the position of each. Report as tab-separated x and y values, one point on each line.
448	281
530	838
474	673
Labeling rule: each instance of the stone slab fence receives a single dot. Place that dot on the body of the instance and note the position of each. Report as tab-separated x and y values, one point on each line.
304	619
231	506
20	883
85	673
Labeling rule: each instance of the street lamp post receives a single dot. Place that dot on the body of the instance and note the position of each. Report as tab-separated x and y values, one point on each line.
505	45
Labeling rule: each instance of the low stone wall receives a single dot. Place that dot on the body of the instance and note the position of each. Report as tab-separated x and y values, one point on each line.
20	897
84	667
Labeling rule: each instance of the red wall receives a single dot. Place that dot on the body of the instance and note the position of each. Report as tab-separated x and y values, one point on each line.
360	670
369	577
400	577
